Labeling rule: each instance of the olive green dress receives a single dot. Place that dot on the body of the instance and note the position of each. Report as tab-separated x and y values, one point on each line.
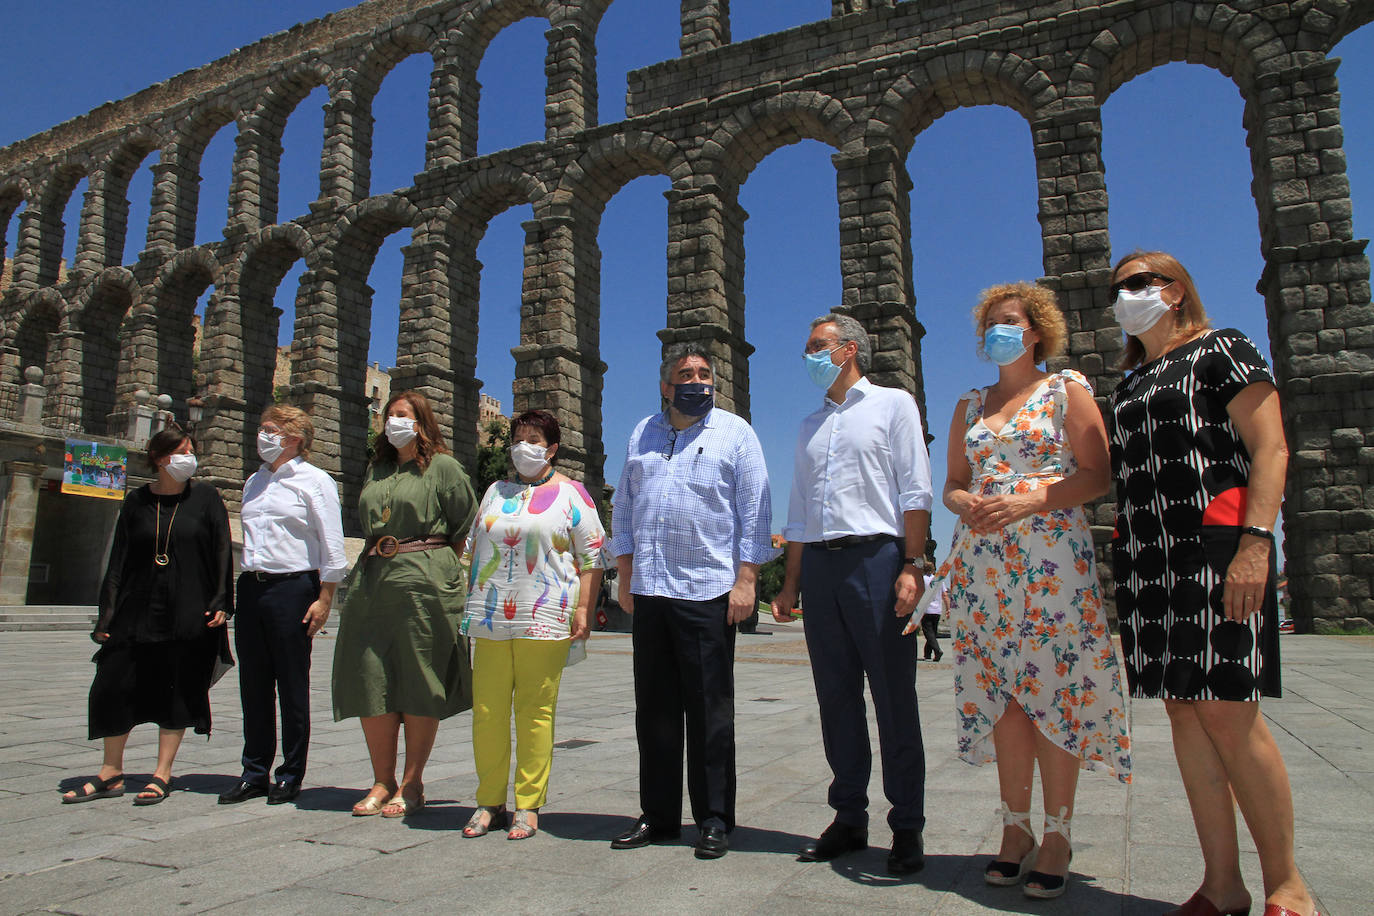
398	646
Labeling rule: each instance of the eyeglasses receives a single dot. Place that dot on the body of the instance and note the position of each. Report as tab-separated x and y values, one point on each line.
1136	282
672	444
819	346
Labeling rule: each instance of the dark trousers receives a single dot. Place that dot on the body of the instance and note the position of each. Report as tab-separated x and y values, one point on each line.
684	662
929	622
853	631
274	664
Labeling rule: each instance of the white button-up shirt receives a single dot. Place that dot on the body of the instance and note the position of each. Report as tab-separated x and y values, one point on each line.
859	466
291	522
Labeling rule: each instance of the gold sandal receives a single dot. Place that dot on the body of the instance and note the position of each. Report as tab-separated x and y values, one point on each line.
371	803
401	806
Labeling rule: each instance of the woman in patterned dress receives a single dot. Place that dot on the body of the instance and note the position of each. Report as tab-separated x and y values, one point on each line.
1199	459
1036	677
534	554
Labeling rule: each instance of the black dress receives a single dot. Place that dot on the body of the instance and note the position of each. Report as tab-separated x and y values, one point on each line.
157	664
1181	473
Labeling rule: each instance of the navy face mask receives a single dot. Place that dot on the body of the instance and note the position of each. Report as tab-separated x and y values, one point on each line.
694	399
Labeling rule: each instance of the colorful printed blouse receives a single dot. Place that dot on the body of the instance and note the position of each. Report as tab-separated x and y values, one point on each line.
525	551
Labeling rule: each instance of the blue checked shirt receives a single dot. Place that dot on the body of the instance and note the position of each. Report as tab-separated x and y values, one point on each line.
691	506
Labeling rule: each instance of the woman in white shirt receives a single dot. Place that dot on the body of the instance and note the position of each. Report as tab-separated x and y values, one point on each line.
535	558
293	560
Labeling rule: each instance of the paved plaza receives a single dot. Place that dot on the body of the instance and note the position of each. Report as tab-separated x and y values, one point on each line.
1135	851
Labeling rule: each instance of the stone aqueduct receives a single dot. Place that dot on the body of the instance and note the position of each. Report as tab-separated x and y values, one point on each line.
866	82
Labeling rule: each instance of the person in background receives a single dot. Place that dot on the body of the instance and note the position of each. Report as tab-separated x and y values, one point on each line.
691	525
167	592
399	659
1199	461
534	554
930	619
293	559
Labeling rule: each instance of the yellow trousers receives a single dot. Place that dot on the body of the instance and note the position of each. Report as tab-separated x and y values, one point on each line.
524	673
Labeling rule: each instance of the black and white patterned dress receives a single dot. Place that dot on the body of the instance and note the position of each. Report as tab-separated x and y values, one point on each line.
1181	473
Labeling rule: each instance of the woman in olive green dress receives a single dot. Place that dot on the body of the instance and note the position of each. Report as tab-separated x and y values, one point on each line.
399	659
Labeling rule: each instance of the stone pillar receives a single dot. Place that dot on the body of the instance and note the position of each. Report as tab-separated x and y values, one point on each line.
423	340
347	149
62	407
1077	246
18	515
141	419
172	214
874	194
1317	294
31	396
705	284
570	99
253	185
558	366
705	25
451	84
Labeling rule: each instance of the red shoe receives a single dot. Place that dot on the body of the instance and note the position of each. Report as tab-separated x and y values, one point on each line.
1273	909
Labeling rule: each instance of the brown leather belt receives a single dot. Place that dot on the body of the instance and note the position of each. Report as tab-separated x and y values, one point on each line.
388	546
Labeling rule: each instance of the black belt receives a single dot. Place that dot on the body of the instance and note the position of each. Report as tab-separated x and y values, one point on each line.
852	540
275	577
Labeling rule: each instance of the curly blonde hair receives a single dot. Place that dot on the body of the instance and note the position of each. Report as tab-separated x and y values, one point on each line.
1042	310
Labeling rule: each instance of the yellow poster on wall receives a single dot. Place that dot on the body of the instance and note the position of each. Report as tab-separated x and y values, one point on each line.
91	469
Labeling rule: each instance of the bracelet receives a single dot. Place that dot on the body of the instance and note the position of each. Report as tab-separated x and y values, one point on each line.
1257	531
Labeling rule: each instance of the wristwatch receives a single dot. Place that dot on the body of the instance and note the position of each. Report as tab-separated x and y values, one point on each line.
918	562
1257	531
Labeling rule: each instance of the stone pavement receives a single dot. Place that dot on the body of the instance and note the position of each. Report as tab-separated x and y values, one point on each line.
1135	851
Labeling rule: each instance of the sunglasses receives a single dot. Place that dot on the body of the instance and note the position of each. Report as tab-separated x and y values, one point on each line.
1136	282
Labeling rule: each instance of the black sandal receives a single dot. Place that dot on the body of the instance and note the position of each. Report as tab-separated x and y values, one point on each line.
161	786
100	788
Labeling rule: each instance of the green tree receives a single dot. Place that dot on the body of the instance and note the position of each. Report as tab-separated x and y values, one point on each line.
493	459
770	578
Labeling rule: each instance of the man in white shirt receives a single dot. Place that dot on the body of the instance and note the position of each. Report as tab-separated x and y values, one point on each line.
293	560
856	529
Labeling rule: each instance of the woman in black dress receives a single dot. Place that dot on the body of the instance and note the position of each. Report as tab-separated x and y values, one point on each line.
163	604
1198	458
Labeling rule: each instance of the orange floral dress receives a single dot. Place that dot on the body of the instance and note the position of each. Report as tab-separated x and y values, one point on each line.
1025	608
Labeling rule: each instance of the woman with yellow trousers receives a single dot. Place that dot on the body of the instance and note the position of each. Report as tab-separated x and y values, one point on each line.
535	568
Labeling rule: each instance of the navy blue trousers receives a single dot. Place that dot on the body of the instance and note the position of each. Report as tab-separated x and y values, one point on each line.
274	665
684	663
853	631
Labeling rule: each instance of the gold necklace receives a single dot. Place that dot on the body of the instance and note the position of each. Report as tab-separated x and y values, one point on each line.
160	557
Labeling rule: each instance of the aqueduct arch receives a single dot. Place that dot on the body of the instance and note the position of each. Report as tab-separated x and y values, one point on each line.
866	82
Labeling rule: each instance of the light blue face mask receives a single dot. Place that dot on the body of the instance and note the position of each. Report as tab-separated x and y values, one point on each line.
1002	343
822	368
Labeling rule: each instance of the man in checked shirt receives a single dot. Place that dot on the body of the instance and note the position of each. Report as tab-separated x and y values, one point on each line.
691	522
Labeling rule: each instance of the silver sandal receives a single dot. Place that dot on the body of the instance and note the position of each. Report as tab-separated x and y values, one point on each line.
522	822
476	828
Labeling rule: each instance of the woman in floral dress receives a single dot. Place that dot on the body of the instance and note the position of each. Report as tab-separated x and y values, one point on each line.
535	558
1035	675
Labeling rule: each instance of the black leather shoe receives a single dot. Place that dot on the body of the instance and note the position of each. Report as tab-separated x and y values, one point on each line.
242	792
643	835
907	857
283	792
835	840
712	843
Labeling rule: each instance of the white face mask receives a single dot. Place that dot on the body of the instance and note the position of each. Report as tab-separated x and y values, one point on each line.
1138	312
529	458
181	467
269	446
400	431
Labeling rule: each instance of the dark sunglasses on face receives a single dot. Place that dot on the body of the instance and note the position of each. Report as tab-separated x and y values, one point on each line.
1136	282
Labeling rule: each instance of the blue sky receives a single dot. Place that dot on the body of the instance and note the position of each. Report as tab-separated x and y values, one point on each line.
1178	176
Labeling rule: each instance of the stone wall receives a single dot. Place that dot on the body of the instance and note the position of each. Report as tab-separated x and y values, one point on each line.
866	82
